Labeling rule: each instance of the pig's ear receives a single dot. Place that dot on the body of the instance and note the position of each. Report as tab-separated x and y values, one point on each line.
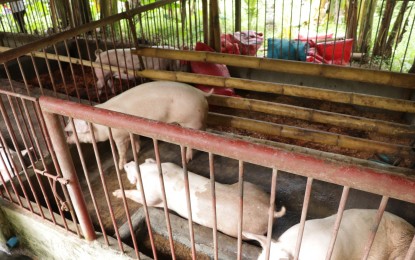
150	160
261	239
81	126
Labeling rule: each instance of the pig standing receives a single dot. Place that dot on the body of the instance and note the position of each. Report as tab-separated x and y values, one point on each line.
124	59
255	208
166	101
392	239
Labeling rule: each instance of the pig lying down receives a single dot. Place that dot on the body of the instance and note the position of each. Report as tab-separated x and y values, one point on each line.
392	239
124	59
256	201
166	101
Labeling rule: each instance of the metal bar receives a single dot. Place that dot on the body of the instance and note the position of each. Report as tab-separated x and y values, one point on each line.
163	191
84	168
127	211
134	148
54	160
336	227
374	227
39	44
104	186
68	171
271	212
188	201
241	207
303	217
390	184
214	218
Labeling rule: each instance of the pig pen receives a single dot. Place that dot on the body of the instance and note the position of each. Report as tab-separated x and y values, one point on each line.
255	138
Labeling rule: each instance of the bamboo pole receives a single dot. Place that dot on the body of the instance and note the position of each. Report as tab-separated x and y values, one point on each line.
285	89
313	115
309	135
205	21
392	79
238	15
268	87
214	35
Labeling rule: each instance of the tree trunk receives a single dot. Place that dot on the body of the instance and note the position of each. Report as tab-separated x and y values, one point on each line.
63	13
82	13
366	22
351	24
108	7
395	30
412	69
380	41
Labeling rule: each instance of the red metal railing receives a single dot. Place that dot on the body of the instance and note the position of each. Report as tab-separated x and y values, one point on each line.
388	184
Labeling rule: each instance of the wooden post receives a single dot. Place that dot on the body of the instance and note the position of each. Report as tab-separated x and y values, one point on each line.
238	13
214	40
205	8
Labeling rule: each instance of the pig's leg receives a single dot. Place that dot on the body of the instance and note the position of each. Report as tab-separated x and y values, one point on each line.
131	194
122	147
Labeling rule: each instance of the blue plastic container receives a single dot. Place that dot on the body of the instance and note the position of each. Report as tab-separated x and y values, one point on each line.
287	49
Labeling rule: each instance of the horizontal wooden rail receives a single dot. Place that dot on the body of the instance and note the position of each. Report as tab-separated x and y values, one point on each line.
313	115
393	79
285	89
315	136
260	86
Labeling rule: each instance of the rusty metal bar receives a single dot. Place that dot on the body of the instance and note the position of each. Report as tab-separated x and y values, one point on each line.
104	186
241	207
303	217
389	183
55	162
214	218
163	191
39	44
68	171
374	227
336	227
127	211
271	211
83	164
140	183
188	201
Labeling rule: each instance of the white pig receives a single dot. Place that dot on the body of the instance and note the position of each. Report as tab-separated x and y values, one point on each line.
391	242
256	201
166	101
6	168
124	59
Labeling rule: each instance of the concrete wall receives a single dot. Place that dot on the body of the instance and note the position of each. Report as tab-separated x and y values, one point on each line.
40	239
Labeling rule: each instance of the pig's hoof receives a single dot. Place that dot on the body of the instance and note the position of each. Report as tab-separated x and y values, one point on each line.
117	193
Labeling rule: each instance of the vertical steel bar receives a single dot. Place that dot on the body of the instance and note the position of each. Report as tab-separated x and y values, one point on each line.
127	211
189	204
83	164
375	226
54	160
20	157
271	211
163	191
336	227
68	171
214	218
134	147
104	186
303	217
241	208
